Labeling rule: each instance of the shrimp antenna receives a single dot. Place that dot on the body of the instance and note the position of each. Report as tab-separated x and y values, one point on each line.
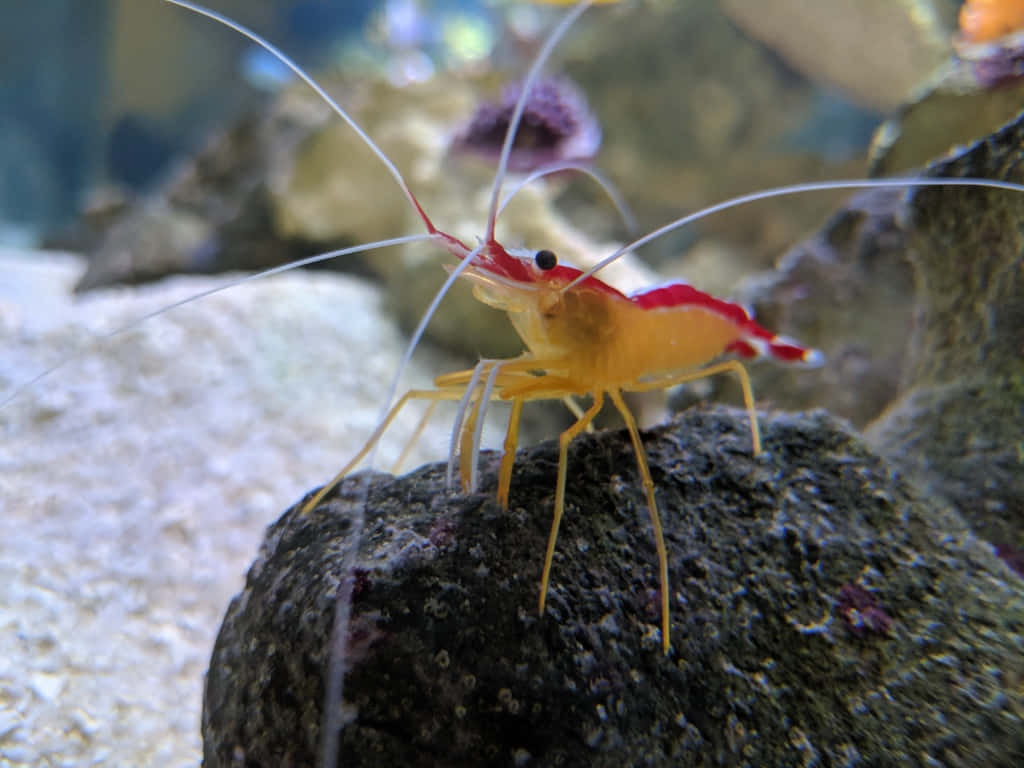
305	77
517	114
793	189
335	686
606	185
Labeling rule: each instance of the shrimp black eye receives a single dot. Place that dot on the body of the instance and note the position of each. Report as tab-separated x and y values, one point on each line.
546	260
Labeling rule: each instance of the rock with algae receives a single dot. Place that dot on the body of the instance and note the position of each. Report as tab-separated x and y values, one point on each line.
959	422
911	292
949	110
213	212
449	663
847	290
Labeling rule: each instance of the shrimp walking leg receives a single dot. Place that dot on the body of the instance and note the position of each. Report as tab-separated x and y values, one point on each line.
563	455
729	365
508	458
576	410
413	394
659	536
459	426
415	436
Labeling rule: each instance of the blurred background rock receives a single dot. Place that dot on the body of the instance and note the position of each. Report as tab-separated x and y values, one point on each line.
109	91
698	99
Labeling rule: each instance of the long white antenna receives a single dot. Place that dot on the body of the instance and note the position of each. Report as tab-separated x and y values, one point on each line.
793	189
301	73
517	114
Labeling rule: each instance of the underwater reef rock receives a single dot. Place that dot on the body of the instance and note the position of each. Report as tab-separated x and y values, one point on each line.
979	88
875	51
847	291
954	108
211	215
916	297
773	662
959	422
694	111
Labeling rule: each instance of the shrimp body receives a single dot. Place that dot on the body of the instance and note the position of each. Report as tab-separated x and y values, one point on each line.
602	339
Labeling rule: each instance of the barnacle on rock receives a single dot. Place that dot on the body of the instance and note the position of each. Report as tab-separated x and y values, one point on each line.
861	612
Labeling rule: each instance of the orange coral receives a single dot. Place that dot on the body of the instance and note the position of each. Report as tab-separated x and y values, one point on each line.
982	21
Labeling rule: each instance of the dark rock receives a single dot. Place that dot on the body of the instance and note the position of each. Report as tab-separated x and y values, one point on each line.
449	663
960	420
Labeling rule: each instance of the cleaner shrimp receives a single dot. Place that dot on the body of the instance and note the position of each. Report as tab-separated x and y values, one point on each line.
562	362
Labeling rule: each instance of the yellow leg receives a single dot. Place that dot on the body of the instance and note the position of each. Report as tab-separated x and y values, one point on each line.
576	410
469	388
729	365
659	536
563	453
508	458
539	388
515	366
413	394
466	443
518	369
414	438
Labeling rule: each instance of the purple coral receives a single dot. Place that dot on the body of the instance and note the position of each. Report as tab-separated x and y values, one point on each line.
1013	557
994	63
861	612
557	126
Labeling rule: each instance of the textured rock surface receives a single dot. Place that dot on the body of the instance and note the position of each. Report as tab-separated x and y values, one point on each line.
450	664
952	110
909	292
847	291
960	420
136	481
213	214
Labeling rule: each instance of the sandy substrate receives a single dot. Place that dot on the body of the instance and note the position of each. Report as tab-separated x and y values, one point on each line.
136	481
